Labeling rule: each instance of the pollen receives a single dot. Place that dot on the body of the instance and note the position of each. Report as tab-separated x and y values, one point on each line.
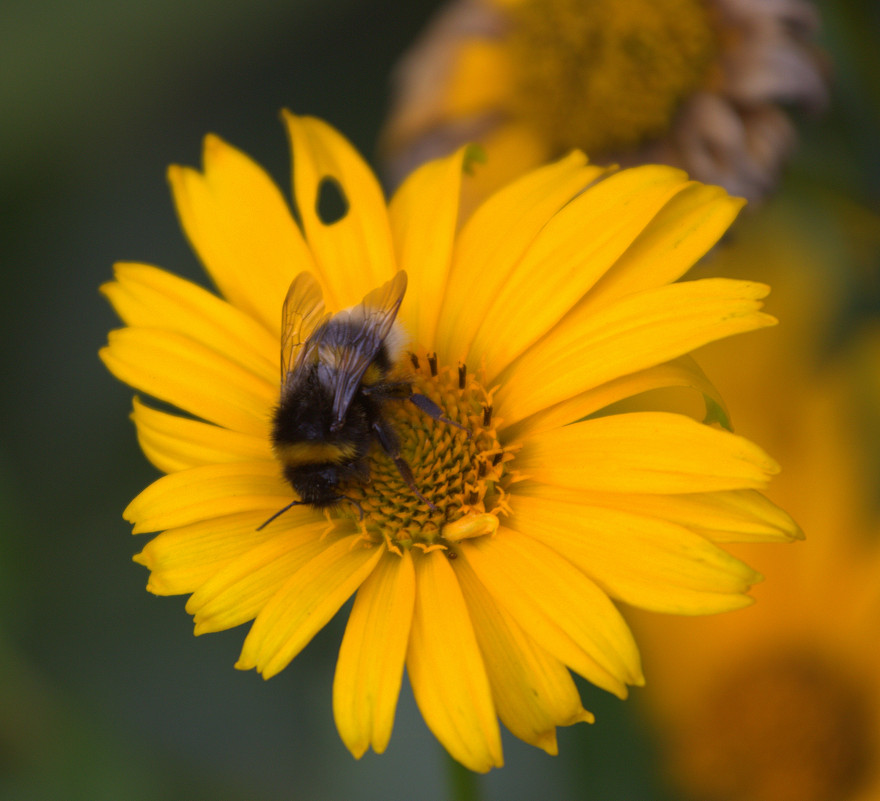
607	74
462	469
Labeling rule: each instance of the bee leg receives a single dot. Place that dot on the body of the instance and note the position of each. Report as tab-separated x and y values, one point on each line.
389	442
355	503
433	411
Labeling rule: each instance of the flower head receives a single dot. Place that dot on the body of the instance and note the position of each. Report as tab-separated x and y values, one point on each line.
492	569
782	701
697	84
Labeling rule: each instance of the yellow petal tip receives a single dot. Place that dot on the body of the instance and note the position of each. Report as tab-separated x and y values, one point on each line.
585	716
546	741
357	750
174	173
213	147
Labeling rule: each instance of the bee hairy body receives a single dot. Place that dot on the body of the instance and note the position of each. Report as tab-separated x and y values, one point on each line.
337	378
319	455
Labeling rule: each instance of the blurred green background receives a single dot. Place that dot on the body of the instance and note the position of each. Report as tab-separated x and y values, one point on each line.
104	692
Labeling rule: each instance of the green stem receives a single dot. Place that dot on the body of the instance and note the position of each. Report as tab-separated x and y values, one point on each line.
464	784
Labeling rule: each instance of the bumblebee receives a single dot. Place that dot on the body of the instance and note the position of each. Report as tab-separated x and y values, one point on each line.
335	384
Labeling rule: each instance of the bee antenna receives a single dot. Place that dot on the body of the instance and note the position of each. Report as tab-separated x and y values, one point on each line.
278	514
431	409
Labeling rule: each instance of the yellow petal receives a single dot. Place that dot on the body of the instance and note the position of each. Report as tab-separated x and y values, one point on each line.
557	606
446	670
354	254
182	559
641	330
206	492
147	297
424	219
512	150
370	666
566	258
738	516
680	372
174	443
644	452
241	589
533	692
493	240
305	604
731	516
646	562
193	378
685	230
241	227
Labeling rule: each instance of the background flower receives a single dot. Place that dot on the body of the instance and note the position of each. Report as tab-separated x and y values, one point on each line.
104	692
696	84
782	701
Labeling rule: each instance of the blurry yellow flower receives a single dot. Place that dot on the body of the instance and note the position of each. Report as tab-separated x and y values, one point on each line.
697	84
781	702
553	301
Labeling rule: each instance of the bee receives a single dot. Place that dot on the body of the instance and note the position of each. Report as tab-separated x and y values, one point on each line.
336	381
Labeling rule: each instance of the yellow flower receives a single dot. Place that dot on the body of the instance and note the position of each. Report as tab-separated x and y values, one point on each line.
697	84
781	702
555	300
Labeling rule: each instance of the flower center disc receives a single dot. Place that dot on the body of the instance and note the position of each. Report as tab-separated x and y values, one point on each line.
461	472
606	75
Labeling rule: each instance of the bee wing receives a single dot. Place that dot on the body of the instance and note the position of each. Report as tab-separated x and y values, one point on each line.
357	342
301	315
